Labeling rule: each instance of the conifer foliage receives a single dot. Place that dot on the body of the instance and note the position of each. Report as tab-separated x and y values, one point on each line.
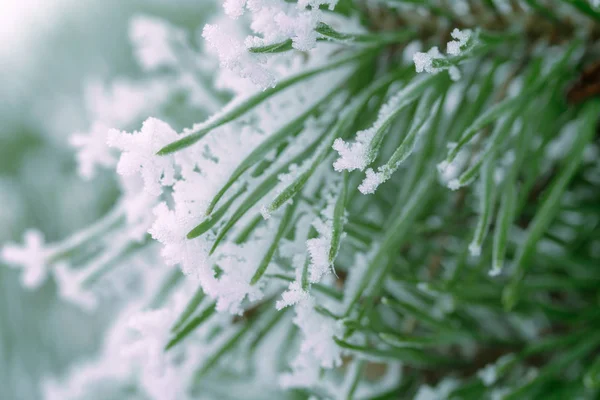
391	199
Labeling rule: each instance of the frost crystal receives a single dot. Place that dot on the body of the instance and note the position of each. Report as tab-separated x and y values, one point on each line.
318	347
137	203
455	46
234	8
455	73
123	102
170	228
152	42
234	56
70	288
475	249
488	375
271	22
152	330
449	171
292	296
318	248
305	373
354	155
371	182
31	257
495	271
238	265
454	184
424	61
318	333
139	154
92	150
300	28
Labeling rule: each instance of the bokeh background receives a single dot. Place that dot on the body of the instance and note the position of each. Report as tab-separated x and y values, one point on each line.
50	52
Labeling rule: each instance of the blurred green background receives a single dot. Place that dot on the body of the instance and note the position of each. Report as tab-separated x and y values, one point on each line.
49	50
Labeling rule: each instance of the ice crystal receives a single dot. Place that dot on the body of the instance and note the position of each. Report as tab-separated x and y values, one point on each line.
31	258
92	150
371	182
234	56
354	155
153	39
424	62
319	247
139	154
